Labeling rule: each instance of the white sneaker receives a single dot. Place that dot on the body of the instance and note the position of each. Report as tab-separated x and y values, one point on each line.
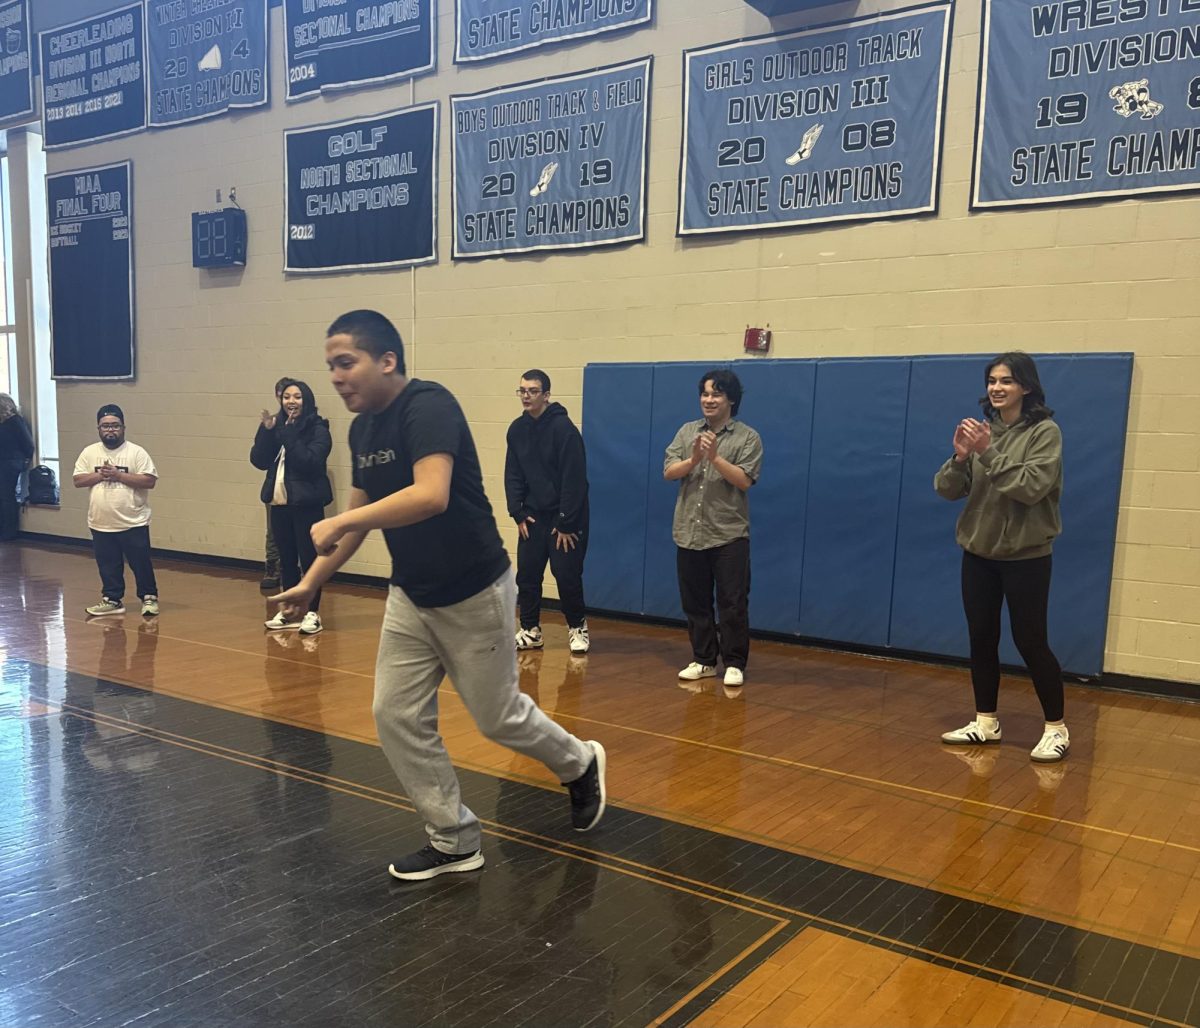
311	624
105	607
974	734
694	672
734	677
149	605
577	639
1053	746
530	638
280	622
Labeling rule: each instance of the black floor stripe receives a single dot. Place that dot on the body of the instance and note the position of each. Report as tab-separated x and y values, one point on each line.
1129	980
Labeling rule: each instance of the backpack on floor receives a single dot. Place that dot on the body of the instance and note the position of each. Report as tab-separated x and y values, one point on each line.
42	487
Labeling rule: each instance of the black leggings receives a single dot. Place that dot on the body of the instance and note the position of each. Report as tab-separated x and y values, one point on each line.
1025	586
291	527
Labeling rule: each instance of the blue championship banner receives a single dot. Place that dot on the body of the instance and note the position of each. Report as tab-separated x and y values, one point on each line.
336	45
205	59
363	193
16	72
486	28
94	79
1086	100
91	272
559	164
832	123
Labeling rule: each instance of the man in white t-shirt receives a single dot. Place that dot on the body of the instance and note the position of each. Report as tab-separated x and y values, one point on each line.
120	476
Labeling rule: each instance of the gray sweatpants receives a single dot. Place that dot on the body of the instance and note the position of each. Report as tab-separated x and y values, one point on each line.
472	643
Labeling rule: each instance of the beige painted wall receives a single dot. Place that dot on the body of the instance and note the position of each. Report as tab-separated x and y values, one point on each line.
1112	276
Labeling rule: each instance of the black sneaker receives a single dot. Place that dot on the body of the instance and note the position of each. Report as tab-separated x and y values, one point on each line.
587	792
429	863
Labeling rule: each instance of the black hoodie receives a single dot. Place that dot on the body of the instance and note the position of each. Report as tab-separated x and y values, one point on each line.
545	472
307	443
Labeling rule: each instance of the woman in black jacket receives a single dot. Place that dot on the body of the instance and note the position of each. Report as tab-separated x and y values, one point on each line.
16	447
292	448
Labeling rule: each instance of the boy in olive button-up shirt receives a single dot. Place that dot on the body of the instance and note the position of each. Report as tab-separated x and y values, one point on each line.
715	460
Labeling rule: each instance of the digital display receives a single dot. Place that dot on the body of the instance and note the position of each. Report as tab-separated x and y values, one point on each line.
219	238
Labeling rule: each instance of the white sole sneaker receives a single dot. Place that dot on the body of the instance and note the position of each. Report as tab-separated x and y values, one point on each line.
972	734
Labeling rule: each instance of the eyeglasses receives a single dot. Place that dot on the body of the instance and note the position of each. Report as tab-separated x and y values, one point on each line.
107	425
529	392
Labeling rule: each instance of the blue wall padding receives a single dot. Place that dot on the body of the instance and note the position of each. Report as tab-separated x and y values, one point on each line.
616	428
676	399
853	494
778	405
849	542
1090	398
927	613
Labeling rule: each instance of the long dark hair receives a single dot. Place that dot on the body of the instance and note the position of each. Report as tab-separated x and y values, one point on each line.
308	412
1025	373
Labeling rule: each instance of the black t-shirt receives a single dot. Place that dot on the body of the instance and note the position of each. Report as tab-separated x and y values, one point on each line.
453	555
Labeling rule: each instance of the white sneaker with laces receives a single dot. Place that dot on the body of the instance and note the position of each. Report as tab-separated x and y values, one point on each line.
974	734
149	605
311	624
279	622
577	639
530	638
105	607
694	672
1054	744
734	678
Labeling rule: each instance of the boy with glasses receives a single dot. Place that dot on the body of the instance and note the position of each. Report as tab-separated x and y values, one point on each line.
545	483
119	475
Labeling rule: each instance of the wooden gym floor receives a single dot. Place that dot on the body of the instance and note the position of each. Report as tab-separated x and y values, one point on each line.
199	823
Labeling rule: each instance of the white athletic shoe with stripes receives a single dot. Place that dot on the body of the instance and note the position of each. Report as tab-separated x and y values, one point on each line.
974	734
1053	746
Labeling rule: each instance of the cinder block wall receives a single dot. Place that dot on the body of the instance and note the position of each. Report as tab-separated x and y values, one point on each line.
1104	276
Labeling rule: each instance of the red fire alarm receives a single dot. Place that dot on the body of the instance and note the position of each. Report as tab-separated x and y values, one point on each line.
758	340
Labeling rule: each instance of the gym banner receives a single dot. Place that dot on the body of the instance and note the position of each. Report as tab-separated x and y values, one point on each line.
362	194
831	123
91	272
16	71
205	59
337	44
483	30
93	79
1085	101
557	164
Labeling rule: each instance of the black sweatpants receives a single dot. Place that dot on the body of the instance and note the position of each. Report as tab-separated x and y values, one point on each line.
113	549
1025	586
292	528
727	568
565	565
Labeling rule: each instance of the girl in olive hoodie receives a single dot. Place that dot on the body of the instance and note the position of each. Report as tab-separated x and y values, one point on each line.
1009	468
292	448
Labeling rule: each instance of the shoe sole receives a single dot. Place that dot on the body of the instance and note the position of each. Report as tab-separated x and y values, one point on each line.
696	678
532	646
601	766
104	613
312	631
292	627
473	864
149	613
968	742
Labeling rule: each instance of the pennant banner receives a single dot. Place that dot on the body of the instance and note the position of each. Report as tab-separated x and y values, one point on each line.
93	79
559	164
91	272
1086	101
205	60
833	123
339	45
484	29
362	194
